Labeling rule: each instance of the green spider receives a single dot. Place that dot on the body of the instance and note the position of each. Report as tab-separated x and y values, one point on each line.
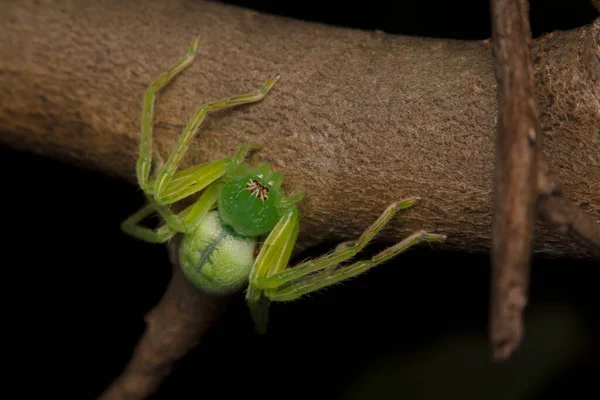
242	228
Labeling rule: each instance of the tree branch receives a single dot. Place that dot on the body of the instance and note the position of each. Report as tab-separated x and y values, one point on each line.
553	206
358	120
562	214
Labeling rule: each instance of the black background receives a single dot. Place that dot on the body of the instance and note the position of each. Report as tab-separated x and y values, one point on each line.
414	328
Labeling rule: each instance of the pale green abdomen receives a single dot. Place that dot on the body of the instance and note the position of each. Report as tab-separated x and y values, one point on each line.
215	259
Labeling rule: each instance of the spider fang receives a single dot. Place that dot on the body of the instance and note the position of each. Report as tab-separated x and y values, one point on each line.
257	189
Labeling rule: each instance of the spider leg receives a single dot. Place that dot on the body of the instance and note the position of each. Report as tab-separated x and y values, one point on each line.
183	184
193	180
186	221
169	187
332	274
166	174
131	227
188	218
273	257
341	254
187	182
145	159
270	272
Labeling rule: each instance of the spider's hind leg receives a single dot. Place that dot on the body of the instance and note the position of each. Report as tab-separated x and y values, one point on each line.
185	221
334	273
291	283
343	251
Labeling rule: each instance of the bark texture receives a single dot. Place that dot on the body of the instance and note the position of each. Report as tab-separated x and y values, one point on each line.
359	119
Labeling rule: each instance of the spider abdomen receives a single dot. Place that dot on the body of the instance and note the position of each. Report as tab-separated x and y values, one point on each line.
215	258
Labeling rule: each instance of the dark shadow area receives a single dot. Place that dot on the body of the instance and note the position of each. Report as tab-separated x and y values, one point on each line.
415	328
441	19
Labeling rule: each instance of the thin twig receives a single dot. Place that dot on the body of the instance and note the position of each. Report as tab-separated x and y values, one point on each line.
524	182
515	189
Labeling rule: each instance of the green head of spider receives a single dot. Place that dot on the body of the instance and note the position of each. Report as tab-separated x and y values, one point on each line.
251	200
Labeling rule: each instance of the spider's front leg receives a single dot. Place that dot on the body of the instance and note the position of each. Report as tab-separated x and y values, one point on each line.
183	184
271	280
166	175
273	257
145	158
169	186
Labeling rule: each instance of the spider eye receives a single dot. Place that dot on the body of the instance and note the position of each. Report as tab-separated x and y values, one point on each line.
257	189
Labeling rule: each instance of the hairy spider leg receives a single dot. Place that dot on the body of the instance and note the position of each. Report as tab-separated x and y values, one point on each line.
184	183
189	218
291	283
160	192
166	174
270	271
192	180
341	254
145	160
187	182
131	227
329	276
273	257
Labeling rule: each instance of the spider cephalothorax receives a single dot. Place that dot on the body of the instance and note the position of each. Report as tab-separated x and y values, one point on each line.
251	199
242	228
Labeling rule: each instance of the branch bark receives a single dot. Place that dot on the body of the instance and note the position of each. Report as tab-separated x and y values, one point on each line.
358	120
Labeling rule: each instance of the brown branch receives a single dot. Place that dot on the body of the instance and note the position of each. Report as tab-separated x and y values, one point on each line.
554	208
523	180
358	120
562	214
515	189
